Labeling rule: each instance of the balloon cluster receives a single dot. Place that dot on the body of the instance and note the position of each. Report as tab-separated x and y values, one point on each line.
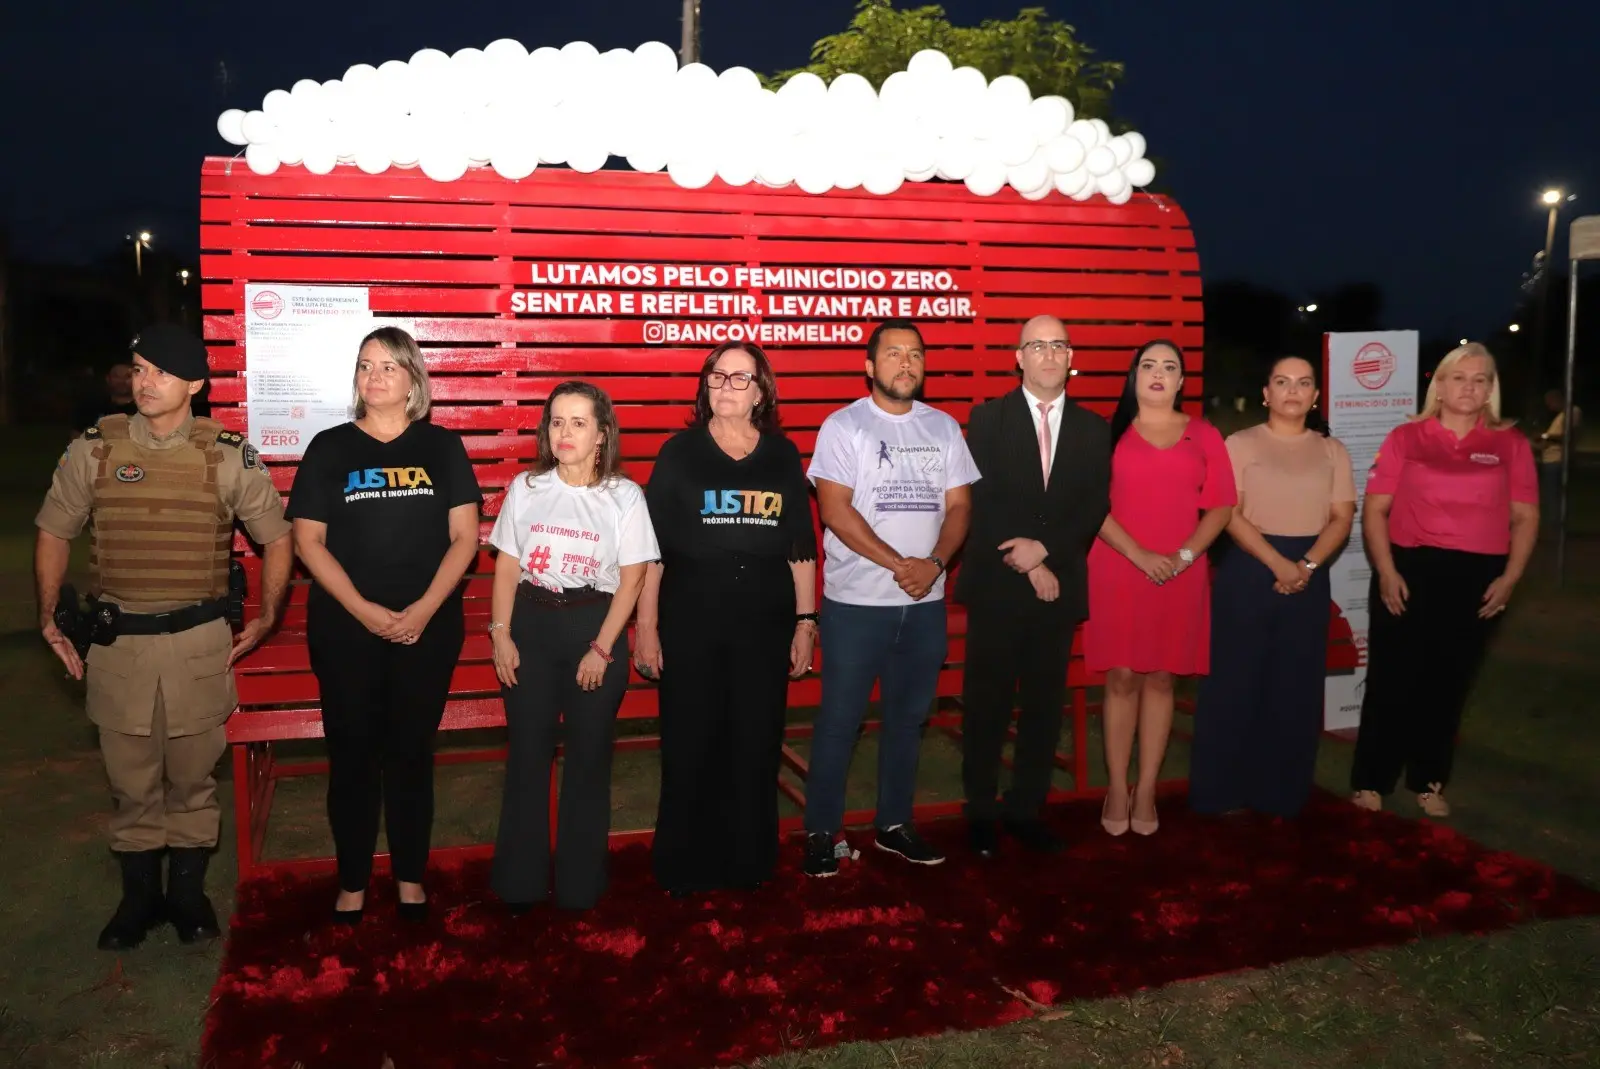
512	110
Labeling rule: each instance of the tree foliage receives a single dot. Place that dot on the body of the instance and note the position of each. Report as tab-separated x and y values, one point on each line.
1042	51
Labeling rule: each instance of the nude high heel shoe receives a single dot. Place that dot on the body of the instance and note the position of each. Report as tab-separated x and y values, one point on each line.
1116	827
1140	827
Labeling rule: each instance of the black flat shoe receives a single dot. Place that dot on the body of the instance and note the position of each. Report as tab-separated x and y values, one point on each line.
349	917
414	912
984	838
519	909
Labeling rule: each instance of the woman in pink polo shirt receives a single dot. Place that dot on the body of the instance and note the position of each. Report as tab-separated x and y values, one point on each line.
1451	517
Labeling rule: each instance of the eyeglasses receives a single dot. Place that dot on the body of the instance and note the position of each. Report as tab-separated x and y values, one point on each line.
739	380
1039	348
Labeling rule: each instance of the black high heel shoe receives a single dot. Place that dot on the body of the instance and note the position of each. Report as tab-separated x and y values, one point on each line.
415	912
349	917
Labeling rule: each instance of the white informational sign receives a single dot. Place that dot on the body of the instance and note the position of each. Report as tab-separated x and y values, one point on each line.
300	358
1369	388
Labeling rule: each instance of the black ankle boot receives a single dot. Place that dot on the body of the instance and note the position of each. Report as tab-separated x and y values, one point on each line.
187	905
141	907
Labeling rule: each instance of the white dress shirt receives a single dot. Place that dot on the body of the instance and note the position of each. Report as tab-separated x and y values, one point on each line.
1055	418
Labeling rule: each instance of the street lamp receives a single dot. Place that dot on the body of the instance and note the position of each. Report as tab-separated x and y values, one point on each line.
141	241
1553	199
1515	327
184	275
1463	341
1311	308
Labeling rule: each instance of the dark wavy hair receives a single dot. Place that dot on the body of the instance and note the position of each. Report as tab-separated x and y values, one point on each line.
1128	403
765	415
608	464
1314	420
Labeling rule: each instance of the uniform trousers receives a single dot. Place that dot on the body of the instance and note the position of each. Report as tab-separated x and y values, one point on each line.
1016	656
165	787
381	707
546	707
1258	716
1421	666
724	696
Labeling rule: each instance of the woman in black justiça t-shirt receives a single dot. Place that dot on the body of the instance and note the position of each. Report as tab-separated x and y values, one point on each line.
385	512
726	618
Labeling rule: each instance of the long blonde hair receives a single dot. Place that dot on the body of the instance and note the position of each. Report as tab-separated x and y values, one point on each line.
1431	403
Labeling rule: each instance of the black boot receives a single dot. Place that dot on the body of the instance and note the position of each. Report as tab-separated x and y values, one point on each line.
141	907
187	905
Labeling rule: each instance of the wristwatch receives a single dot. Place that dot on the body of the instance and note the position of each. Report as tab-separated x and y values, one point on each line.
1310	564
937	562
1186	555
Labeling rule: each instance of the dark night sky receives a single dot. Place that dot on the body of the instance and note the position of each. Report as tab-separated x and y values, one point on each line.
1310	142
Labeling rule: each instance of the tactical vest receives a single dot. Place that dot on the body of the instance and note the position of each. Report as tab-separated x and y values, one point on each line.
161	530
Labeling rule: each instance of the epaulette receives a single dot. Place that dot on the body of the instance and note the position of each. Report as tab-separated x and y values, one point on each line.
233	438
92	432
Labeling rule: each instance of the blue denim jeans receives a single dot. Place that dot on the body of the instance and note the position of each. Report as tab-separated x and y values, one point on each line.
901	648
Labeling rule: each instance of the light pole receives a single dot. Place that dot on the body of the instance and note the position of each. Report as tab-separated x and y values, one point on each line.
1552	199
690	50
141	242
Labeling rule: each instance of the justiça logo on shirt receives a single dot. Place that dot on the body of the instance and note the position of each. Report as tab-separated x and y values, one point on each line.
742	506
387	482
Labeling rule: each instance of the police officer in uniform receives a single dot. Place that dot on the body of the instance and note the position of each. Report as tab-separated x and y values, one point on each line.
162	489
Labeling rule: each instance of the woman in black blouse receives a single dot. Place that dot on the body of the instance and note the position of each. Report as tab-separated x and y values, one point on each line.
735	598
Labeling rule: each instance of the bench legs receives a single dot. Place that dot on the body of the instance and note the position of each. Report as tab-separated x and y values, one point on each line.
253	784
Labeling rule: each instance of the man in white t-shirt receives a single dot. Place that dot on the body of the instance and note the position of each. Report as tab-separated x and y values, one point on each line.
893	480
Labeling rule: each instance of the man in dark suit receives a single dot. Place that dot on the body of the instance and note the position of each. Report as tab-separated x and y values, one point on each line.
1045	490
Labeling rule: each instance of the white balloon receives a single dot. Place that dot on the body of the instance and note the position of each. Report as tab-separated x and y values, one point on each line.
1136	142
655	60
956	159
898	91
306	92
804	84
1121	149
1083	131
882	178
443	159
922	176
478	136
850	88
737	165
261	159
1070	183
1050	116
692	172
361	76
467	58
1029	176
587	156
1140	172
1122	196
739	80
986	179
230	124
1038	194
1112	183
1064	154
1086	192
290	145
428	59
1014	144
277	104
849	169
320	157
647	159
372	157
580	51
1100	161
405	143
1102	131
256	128
967	83
930	61
814	173
507	50
695	83
777	161
917	150
1009	93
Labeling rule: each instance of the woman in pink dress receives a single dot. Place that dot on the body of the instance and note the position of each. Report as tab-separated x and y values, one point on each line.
1172	493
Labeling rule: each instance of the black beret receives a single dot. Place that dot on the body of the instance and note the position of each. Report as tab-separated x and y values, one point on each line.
173	350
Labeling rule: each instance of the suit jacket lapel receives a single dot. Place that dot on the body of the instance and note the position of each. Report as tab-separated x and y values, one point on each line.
1025	436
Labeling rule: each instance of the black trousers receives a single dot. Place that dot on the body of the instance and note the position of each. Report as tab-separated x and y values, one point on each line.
381	707
724	697
1421	666
1259	713
547	706
1016	658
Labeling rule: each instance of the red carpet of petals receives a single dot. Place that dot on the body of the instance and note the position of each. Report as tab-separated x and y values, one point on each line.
885	949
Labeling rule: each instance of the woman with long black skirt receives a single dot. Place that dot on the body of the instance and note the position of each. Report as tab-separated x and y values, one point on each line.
726	619
574	536
1259	713
385	512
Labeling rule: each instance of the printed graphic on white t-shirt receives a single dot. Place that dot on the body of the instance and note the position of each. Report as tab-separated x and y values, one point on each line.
574	536
899	469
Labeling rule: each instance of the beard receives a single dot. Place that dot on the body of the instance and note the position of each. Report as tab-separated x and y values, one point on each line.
896	392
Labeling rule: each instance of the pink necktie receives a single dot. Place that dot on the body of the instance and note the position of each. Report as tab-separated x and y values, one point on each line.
1044	440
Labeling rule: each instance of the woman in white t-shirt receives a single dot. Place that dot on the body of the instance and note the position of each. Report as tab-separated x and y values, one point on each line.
574	537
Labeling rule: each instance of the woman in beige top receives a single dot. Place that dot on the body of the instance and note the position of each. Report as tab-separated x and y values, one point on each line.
1260	710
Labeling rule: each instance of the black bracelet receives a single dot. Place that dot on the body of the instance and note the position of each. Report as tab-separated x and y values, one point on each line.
814	617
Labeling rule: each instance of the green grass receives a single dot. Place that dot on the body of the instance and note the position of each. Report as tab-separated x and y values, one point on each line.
1526	781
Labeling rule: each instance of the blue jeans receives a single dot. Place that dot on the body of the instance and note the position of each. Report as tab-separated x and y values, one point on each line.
900	647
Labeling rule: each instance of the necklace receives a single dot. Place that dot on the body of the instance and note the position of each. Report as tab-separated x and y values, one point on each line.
738	450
